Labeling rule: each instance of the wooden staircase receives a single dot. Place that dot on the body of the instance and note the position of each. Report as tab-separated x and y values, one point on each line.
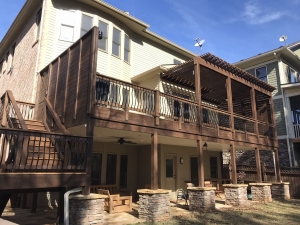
41	151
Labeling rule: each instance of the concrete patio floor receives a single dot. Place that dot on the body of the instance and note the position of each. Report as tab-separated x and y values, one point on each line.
47	216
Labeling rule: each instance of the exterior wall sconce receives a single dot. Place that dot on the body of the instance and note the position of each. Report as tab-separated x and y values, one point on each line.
205	146
181	160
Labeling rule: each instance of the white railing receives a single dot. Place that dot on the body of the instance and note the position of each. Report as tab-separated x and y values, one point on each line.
296	130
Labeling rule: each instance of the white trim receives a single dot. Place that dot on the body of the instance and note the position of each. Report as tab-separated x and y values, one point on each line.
260	65
277	97
281	137
292	94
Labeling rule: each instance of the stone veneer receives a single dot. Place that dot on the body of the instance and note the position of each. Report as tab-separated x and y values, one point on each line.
236	194
202	199
154	205
261	192
281	190
86	209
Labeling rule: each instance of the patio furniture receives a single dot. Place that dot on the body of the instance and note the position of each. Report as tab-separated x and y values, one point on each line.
181	195
112	188
116	203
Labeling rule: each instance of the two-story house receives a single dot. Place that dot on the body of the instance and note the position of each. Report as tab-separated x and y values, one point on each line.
281	68
155	115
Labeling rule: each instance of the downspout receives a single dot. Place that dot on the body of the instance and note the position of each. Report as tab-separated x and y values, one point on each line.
66	204
284	110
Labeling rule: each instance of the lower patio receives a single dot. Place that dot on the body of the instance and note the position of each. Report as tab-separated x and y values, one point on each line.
276	212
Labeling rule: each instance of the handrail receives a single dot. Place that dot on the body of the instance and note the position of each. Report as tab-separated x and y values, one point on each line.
55	117
10	98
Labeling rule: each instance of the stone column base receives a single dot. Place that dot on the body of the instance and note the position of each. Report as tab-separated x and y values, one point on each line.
261	192
154	205
280	190
86	209
202	199
236	194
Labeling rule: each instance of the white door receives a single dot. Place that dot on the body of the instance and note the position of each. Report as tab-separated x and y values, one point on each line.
170	172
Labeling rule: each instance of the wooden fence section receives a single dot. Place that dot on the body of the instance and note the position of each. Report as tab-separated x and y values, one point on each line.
288	174
69	80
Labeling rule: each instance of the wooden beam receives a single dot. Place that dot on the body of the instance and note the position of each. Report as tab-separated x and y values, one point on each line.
154	160
277	167
78	80
157	107
56	85
254	112
198	92
233	163
258	166
66	88
60	210
230	104
40	180
90	133
200	162
4	119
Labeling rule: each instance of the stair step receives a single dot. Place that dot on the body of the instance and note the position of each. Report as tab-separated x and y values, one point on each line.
34	122
35	126
37	129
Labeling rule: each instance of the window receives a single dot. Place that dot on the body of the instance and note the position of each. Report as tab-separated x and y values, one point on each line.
261	73
86	24
176	61
67	25
213	167
126	48
293	77
123	171
116	42
38	23
6	60
102	44
96	168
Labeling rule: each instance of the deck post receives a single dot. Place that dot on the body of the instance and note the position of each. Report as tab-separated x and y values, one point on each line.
230	104
258	166
198	91
254	112
200	162
154	161
4	119
277	166
233	163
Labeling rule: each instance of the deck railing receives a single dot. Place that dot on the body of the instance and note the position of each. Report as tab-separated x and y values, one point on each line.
26	109
118	94
296	130
37	151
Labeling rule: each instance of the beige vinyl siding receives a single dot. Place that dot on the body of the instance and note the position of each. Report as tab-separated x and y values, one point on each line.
115	68
126	72
146	55
151	83
102	63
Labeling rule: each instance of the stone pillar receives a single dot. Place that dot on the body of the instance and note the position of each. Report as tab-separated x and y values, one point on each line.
236	194
202	199
261	192
280	190
154	205
86	209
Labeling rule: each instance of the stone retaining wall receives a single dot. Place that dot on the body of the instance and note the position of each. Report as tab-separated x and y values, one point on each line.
261	192
86	209
154	205
280	190
236	194
201	199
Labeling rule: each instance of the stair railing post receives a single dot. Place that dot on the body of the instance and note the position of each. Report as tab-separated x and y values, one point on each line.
4	119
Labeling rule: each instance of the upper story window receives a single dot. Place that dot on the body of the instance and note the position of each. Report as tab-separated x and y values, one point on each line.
38	23
176	62
13	48
102	44
261	73
293	76
67	25
116	42
6	60
86	24
126	48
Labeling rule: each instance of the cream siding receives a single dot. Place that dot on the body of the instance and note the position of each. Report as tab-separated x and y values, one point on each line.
151	83
102	63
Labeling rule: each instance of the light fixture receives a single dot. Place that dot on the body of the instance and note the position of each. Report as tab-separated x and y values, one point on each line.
181	160
205	146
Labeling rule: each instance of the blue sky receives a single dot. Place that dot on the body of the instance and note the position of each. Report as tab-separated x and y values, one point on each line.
233	29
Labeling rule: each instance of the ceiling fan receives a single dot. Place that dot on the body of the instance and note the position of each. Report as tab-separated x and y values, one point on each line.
122	141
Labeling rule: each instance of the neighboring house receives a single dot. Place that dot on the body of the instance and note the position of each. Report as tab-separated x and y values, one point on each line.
281	68
150	121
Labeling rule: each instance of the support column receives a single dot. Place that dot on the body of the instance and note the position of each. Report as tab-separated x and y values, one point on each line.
154	161
90	134
277	167
258	165
254	112
233	163
198	92
230	104
200	162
